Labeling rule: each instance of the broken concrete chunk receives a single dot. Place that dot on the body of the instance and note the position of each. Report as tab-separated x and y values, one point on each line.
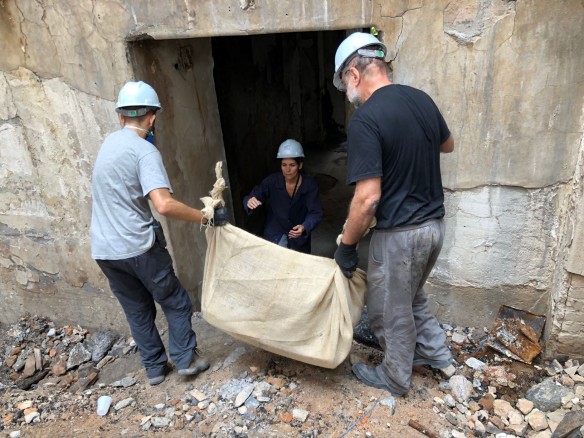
515	418
458	338
60	368
449	400
300	415
102	341
125	382
390	403
104	362
20	361
571	371
571	422
461	388
29	418
524	405
518	429
243	395
78	355
29	366
229	390
159	422
198	395
537	420
547	396
502	408
123	403
475	364
38	359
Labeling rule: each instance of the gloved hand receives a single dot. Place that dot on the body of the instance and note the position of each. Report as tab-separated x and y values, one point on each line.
220	216
347	258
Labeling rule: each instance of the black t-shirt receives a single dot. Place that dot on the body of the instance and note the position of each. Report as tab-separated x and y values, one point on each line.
396	135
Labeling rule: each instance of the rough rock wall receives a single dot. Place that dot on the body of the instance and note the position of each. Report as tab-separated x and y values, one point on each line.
61	66
188	135
49	136
507	76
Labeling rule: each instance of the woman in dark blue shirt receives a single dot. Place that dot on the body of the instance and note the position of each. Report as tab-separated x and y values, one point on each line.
292	200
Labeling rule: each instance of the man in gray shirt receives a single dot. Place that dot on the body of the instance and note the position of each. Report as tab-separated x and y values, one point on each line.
128	244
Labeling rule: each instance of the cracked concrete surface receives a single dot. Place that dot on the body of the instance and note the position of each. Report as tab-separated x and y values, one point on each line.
466	21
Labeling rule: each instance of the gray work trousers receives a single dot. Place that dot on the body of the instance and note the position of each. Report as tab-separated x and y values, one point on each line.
138	282
400	261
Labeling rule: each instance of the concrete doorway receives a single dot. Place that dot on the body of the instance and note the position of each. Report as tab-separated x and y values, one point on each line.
235	99
278	86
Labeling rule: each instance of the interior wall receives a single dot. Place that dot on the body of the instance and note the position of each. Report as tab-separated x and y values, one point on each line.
270	88
188	135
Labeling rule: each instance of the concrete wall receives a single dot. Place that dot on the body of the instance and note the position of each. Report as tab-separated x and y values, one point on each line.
506	74
188	135
61	68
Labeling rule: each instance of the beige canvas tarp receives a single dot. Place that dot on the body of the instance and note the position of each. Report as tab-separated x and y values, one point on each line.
297	305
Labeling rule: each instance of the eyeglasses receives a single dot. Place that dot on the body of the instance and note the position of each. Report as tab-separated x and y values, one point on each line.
344	69
342	85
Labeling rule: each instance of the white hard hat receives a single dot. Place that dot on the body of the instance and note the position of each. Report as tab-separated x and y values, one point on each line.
137	94
349	46
290	149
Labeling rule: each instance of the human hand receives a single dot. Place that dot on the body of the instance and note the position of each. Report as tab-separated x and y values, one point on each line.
296	231
253	203
220	216
347	258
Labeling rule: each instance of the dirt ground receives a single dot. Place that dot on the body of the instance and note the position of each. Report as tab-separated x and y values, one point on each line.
337	403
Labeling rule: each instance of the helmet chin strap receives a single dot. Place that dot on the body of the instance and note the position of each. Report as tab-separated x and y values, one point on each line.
147	131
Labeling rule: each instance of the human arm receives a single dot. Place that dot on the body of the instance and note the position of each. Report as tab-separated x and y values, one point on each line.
258	195
167	206
313	212
361	212
447	146
253	203
314	209
362	209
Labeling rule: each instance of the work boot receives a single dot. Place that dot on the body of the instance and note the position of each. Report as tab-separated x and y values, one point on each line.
157	380
198	363
446	367
368	375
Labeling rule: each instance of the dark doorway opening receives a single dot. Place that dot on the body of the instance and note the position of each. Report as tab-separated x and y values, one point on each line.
278	86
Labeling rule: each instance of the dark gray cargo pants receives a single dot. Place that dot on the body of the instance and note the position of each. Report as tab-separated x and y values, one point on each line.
400	261
137	283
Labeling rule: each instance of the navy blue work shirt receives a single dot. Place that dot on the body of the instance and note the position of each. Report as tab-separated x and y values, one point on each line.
285	212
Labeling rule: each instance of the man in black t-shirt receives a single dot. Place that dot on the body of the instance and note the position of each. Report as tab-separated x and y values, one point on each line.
395	138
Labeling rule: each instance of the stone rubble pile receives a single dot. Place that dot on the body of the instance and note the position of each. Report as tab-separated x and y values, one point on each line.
252	402
33	352
484	398
249	404
487	396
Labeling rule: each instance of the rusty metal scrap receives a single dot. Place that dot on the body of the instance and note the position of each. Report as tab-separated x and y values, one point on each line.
516	333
